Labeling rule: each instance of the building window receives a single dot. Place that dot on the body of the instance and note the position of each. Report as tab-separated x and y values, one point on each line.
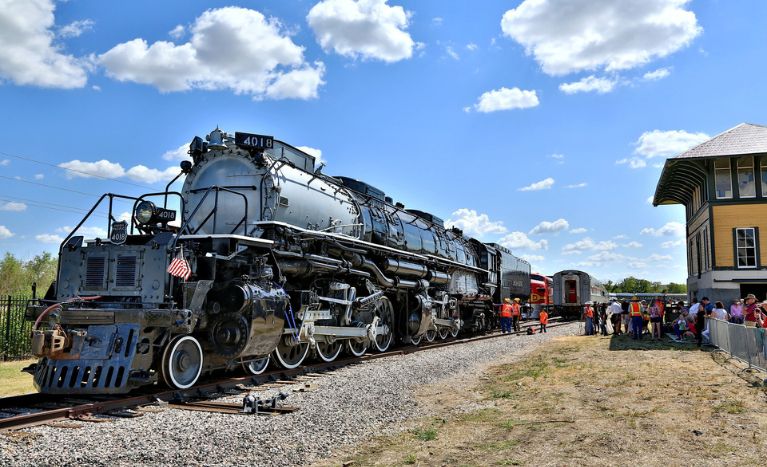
722	179
763	173
745	247
746	180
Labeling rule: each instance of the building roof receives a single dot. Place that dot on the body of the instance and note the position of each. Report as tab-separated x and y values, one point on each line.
746	138
683	172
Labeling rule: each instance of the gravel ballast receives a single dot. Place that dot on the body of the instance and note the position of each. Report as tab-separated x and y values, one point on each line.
345	407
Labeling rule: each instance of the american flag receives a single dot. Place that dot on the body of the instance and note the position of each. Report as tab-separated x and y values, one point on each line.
179	267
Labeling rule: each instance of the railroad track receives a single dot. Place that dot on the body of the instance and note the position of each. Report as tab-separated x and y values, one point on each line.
29	410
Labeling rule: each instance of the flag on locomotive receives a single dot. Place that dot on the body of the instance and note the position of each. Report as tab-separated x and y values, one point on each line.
179	267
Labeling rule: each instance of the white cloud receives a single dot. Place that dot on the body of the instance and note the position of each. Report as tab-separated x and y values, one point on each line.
29	56
474	224
49	238
367	29
113	170
620	237
229	48
550	227
84	230
577	35
589	84
672	243
39	176
650	199
506	99
177	32
657	143
632	244
437	20
670	229
577	185
579	230
656	75
659	258
471	46
317	153
99	169
532	258
76	28
587	244
13	206
632	162
5	233
5	162
544	184
181	153
516	240
560	158
140	173
452	53
125	216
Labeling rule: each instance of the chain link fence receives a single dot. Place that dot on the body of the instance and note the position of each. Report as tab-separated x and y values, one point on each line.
14	330
747	344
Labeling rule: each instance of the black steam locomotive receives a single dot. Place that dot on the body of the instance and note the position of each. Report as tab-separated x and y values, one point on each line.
269	260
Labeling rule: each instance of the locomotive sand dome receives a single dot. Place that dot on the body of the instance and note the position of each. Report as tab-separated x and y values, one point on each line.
272	260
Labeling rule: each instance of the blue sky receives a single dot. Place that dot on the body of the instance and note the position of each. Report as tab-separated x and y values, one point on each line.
541	124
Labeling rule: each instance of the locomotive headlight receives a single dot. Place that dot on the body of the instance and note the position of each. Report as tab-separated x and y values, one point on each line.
144	212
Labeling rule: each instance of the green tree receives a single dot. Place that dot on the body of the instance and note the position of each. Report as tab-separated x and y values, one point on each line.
12	276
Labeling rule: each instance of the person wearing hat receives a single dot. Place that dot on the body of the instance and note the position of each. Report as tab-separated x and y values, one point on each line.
516	311
588	317
505	316
750	310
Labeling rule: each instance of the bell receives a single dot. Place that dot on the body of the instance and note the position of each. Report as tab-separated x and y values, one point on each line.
216	140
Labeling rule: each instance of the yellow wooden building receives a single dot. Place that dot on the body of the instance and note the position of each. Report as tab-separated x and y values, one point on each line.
722	183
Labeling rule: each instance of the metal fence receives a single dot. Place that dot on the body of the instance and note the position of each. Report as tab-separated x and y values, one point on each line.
14	330
747	344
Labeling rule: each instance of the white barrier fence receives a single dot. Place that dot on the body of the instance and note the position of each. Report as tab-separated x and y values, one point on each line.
747	344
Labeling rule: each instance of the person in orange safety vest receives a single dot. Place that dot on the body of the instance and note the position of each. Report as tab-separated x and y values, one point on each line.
516	311
588	317
635	312
505	316
543	316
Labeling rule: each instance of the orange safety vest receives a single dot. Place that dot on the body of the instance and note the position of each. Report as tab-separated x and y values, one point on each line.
544	317
588	312
506	310
515	309
635	309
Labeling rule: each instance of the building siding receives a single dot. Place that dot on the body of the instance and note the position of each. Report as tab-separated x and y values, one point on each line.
728	217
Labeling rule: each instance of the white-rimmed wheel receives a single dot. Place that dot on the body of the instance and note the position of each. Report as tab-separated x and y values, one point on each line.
290	354
443	332
258	366
357	348
384	311
182	362
430	335
415	340
327	352
454	331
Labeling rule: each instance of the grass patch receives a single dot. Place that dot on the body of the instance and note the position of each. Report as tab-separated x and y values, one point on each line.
410	459
425	434
15	382
730	407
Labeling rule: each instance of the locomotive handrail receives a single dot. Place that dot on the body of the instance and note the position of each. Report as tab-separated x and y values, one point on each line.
213	212
165	193
88	215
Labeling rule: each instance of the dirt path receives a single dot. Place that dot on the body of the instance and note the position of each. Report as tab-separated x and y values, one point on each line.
588	401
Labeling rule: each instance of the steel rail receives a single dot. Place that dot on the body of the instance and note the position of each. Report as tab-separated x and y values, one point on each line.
103	404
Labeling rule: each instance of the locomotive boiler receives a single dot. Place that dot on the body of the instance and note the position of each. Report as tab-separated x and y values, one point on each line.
268	260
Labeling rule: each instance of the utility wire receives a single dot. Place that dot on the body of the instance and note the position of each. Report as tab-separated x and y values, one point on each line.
24	158
46	185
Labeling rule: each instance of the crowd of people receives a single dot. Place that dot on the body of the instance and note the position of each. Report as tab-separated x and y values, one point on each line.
637	317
